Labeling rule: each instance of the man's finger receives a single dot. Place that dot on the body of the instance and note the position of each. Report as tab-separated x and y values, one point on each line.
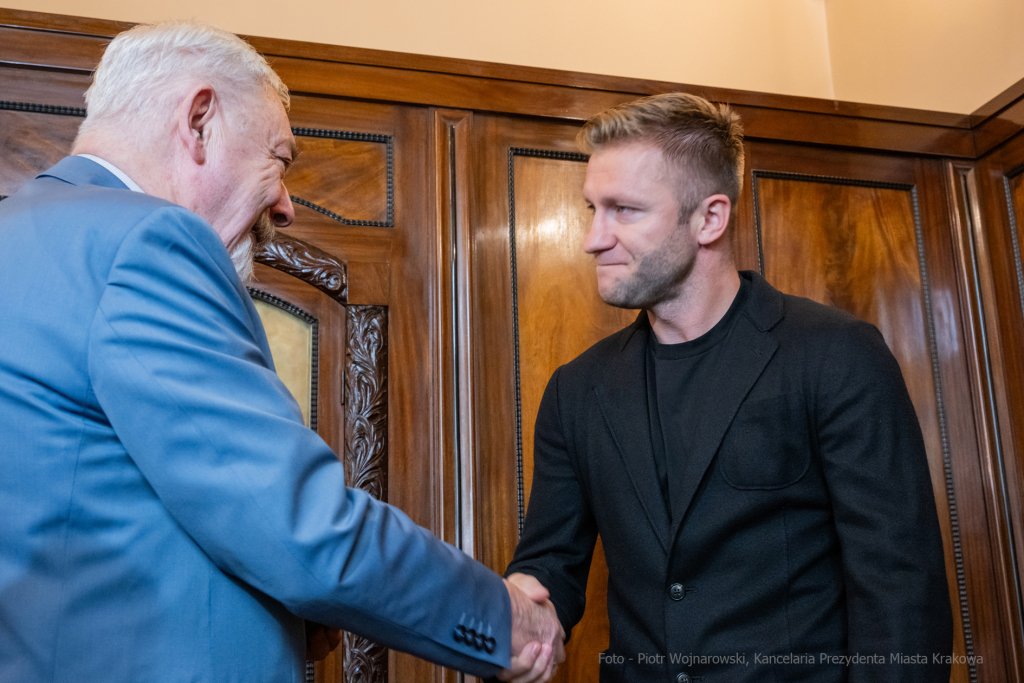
541	669
521	662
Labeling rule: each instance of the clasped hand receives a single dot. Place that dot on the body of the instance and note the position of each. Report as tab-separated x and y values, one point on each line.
537	635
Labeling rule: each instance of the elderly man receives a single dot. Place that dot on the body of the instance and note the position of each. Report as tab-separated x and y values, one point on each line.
164	514
751	460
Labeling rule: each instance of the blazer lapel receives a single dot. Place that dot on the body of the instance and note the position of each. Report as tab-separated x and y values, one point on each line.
748	350
621	394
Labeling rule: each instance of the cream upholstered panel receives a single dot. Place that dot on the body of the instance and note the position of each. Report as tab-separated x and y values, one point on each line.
291	344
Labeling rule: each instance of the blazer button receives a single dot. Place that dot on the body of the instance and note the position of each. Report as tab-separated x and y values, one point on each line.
460	633
489	645
479	641
683	678
676	592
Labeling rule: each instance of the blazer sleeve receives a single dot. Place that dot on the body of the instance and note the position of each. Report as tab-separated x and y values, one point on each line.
876	470
177	366
559	533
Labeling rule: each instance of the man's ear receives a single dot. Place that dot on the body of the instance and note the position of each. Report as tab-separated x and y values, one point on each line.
194	116
715	210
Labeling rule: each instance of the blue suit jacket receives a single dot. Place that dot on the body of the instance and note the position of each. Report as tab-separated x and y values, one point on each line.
164	514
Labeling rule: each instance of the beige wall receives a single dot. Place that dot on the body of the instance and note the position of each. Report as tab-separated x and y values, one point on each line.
774	46
946	55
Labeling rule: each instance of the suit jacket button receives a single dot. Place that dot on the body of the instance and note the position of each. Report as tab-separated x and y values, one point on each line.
460	633
676	592
479	641
489	645
683	677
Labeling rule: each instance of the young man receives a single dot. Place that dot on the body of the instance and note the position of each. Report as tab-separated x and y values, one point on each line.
751	460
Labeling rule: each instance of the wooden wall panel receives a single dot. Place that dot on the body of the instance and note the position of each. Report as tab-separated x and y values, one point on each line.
560	315
55	88
873	235
346	176
855	246
32	142
537	307
995	210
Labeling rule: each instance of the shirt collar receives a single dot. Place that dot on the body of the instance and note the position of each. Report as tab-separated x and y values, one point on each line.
129	183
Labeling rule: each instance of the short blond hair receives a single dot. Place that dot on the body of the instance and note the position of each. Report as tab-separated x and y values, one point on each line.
144	68
702	141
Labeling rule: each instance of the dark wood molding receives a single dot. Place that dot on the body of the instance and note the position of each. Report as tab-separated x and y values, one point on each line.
37	108
993	131
457	501
308	263
1014	230
999	102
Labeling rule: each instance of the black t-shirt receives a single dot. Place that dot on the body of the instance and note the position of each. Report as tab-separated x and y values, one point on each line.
679	377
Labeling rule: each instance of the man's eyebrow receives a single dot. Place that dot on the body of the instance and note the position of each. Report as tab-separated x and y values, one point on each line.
293	152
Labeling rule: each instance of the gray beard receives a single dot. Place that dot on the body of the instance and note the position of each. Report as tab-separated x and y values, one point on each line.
243	256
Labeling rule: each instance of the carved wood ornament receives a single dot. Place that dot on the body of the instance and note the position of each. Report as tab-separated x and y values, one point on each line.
308	263
366	449
366	405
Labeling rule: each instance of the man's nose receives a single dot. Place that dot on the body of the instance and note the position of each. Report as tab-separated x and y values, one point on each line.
599	238
282	213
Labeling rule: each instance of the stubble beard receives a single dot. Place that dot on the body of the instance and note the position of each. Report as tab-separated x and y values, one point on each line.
243	256
660	275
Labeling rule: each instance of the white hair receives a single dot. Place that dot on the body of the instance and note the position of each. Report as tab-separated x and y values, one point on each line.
146	69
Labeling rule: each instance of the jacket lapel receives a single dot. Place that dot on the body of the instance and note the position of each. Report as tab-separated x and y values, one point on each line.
621	393
748	350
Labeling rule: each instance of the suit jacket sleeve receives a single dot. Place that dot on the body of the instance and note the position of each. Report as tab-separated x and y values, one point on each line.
176	361
877	474
559	533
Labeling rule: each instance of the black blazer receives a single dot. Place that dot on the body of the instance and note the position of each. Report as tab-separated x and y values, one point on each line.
805	525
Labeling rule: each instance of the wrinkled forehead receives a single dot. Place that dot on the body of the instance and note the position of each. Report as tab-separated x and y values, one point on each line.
266	113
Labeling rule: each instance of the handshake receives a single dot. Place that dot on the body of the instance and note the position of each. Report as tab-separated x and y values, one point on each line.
537	635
